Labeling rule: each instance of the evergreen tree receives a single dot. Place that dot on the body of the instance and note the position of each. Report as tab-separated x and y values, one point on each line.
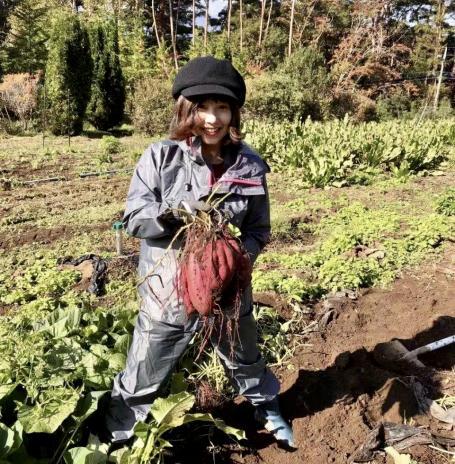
68	74
25	44
107	101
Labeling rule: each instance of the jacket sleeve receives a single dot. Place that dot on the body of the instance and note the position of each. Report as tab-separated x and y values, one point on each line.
256	225
145	209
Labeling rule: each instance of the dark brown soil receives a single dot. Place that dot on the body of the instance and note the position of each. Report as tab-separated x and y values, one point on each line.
338	392
46	236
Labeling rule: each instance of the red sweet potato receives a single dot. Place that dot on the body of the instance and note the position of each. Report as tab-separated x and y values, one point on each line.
213	270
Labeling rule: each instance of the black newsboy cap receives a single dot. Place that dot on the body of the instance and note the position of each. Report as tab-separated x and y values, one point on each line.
207	75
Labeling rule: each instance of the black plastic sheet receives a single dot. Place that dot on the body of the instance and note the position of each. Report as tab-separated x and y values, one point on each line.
99	273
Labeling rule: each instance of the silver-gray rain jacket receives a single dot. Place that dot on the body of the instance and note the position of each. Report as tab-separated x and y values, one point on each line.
169	172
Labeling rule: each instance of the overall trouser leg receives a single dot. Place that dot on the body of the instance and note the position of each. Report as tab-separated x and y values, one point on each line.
156	347
245	367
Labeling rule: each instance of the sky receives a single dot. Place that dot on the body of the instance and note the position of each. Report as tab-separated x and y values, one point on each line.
215	7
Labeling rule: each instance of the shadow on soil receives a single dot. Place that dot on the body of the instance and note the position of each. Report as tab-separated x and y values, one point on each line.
352	375
358	373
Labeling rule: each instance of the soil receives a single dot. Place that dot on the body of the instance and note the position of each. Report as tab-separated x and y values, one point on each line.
337	391
27	204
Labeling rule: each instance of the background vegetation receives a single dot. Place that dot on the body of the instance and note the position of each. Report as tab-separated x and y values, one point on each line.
320	59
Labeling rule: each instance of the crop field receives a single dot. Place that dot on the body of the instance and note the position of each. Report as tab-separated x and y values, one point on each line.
362	252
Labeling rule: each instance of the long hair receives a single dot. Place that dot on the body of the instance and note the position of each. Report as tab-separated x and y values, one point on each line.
184	119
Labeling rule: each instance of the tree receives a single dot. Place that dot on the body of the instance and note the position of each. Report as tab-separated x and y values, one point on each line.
18	96
107	95
373	53
25	44
135	56
68	74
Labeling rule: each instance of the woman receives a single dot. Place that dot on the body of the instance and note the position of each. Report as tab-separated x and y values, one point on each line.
172	176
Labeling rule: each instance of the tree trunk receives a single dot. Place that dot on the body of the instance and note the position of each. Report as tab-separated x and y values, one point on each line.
193	25
241	24
291	27
171	24
207	4
158	42
229	20
268	20
261	22
176	21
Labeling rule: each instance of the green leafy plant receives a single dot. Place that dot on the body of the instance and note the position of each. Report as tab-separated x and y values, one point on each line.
339	151
109	146
446	203
150	442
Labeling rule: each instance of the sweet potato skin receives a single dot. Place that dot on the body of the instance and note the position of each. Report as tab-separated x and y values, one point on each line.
211	272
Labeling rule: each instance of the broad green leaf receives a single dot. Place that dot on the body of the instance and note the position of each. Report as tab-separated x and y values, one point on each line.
7	389
60	323
122	343
81	455
101	365
170	411
178	383
117	361
65	356
45	417
88	405
121	456
10	439
141	430
219	424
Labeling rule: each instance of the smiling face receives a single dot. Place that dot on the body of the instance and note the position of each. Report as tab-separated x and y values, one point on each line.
213	118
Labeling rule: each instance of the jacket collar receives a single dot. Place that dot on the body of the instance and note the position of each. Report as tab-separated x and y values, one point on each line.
192	146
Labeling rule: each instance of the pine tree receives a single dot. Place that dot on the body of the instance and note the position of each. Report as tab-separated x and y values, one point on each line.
25	43
68	74
107	101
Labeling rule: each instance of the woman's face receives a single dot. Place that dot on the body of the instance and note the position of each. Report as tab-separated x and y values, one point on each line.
213	118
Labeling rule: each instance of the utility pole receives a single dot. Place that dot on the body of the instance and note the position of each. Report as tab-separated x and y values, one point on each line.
438	87
261	23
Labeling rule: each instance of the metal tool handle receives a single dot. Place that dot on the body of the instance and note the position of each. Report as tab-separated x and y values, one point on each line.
430	347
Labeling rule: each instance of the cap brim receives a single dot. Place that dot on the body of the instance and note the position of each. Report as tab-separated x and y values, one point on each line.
208	89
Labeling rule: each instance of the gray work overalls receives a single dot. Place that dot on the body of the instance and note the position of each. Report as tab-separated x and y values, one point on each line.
167	173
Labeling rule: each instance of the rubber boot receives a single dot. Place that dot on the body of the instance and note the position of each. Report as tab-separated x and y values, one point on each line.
269	415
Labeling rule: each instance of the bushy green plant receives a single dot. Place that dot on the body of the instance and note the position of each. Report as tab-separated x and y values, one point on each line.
333	152
446	203
393	105
152	106
107	94
294	91
110	145
68	74
358	247
57	349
